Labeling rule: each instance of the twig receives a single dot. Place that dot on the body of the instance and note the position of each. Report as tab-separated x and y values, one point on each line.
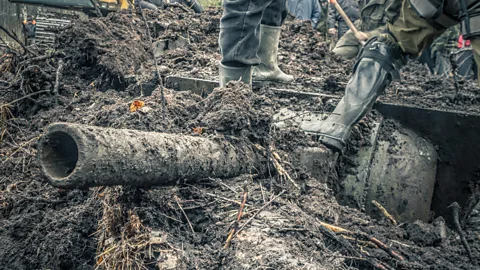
24	97
385	212
374	240
16	39
239	216
38	58
329	231
400	243
281	171
455	212
21	147
223	184
259	210
185	214
176	5
160	80
223	198
291	117
469	206
57	79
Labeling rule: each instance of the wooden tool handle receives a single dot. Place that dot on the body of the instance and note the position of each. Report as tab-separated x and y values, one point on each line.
348	21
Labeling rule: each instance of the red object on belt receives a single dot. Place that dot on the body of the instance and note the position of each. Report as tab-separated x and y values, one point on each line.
461	42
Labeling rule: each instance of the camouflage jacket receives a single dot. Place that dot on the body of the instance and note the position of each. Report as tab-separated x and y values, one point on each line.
373	13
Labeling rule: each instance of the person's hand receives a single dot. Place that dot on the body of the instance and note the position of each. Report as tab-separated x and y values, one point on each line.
332	31
362	36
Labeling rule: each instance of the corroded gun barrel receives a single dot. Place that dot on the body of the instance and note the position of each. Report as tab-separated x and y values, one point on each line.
80	156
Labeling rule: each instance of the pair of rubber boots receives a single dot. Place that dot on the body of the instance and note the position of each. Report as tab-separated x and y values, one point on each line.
267	70
377	65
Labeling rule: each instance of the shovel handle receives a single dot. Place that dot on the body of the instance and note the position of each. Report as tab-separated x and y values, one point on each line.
348	21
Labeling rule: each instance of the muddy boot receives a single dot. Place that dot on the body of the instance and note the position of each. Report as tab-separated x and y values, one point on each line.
268	70
376	67
228	73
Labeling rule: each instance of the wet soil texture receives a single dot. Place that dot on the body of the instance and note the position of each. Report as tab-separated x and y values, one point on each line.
105	64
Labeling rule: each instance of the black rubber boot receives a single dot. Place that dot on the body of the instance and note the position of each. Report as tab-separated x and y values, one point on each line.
377	65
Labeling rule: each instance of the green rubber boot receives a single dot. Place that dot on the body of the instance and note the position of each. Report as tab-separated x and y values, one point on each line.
268	70
377	66
228	74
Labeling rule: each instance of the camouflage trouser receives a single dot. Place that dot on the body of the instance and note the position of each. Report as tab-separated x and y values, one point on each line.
414	33
348	46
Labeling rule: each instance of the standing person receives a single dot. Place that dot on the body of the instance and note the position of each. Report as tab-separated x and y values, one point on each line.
412	26
467	69
335	23
437	55
29	30
373	17
249	37
305	10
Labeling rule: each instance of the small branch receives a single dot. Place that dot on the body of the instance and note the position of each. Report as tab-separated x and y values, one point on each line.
239	216
374	240
223	198
185	214
177	5
21	147
16	39
259	210
385	212
24	97
38	58
455	212
57	80
278	166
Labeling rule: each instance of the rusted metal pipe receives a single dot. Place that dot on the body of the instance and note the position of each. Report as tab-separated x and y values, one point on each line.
80	156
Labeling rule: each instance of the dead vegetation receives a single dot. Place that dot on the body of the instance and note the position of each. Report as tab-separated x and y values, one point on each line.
283	220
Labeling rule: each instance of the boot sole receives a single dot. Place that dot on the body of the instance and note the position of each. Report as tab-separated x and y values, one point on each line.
264	83
331	143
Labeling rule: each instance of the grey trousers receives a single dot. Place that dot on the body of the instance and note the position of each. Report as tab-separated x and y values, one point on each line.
239	28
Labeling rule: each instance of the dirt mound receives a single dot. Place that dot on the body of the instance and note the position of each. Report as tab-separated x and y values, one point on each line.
237	110
105	55
420	88
188	226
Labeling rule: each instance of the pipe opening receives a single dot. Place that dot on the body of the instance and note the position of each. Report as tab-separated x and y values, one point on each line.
60	154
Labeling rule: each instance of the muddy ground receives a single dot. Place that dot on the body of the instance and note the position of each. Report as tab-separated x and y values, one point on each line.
106	64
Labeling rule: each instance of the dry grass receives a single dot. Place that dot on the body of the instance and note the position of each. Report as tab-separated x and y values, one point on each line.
210	3
123	241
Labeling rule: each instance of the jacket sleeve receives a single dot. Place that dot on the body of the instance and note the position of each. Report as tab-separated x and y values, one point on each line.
332	15
315	13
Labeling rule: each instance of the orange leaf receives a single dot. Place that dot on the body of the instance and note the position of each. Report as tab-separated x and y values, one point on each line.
137	104
198	130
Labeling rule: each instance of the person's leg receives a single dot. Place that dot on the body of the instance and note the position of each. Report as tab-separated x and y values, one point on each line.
476	53
239	39
378	65
347	46
147	5
342	29
270	29
275	13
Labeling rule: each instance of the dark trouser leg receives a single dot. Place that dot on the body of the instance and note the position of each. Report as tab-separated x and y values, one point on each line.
147	5
239	40
275	13
342	29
